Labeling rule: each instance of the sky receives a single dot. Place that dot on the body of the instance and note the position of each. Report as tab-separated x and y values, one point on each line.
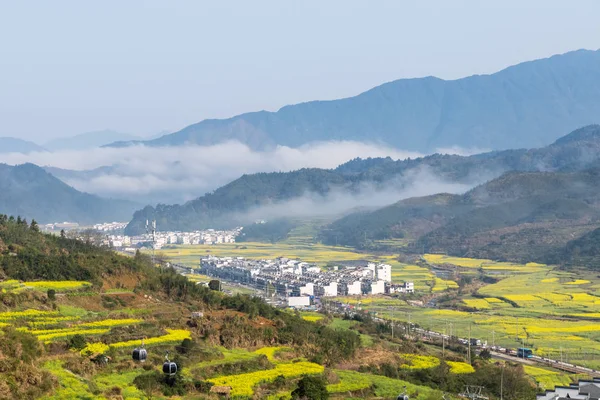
142	67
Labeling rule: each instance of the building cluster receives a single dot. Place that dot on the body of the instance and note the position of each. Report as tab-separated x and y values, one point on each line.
110	226
300	282
584	390
161	239
58	226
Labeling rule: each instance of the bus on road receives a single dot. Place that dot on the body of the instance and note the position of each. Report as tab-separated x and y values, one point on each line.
523	352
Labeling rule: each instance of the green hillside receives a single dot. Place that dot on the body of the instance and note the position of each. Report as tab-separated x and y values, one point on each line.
520	216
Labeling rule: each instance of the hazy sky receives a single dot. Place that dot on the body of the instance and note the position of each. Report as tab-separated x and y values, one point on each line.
68	67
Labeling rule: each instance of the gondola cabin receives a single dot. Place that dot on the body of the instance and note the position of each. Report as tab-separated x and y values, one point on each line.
169	368
139	354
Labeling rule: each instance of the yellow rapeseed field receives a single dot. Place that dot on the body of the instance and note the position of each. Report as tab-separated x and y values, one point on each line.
477	303
243	384
441	285
457	367
57	285
270	351
416	361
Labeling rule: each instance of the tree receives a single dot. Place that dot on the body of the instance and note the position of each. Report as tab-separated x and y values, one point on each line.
63	235
34	226
52	294
77	342
311	388
485	354
214	285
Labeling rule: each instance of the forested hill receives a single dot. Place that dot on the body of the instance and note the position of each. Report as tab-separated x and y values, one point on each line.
520	216
527	105
228	205
27	254
130	299
29	191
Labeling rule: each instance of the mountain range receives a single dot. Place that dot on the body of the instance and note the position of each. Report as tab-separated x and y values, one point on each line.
81	141
523	106
88	140
14	145
30	192
374	181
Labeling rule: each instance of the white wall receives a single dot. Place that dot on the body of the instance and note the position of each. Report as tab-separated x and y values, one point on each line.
301	301
378	287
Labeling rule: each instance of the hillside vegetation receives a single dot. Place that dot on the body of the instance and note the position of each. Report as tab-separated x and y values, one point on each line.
520	216
134	295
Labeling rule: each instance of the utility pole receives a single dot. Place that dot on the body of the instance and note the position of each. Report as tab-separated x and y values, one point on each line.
392	322
444	344
517	330
502	381
493	338
469	343
561	358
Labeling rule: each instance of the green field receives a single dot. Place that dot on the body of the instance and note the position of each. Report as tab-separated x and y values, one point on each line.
313	253
547	309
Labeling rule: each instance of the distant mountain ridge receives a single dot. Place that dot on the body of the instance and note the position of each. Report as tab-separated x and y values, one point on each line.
227	205
15	145
30	192
523	106
519	216
88	140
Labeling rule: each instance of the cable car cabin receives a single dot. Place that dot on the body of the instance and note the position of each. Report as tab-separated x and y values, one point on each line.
403	396
139	354
169	368
523	352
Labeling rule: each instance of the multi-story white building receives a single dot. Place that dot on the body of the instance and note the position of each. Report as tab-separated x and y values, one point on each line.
308	289
330	290
377	287
383	272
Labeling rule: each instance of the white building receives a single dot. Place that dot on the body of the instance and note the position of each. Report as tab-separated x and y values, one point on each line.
584	390
377	287
313	270
330	290
298	302
406	287
355	288
308	289
384	272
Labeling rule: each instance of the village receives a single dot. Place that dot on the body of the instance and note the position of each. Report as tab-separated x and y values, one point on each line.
301	283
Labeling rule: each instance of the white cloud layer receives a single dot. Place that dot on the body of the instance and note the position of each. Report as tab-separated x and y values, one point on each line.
177	174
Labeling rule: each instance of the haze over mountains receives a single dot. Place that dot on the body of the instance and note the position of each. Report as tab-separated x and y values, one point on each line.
365	182
88	140
30	192
14	145
520	107
527	105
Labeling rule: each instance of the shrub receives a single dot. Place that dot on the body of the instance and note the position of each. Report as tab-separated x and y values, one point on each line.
77	342
52	294
311	387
